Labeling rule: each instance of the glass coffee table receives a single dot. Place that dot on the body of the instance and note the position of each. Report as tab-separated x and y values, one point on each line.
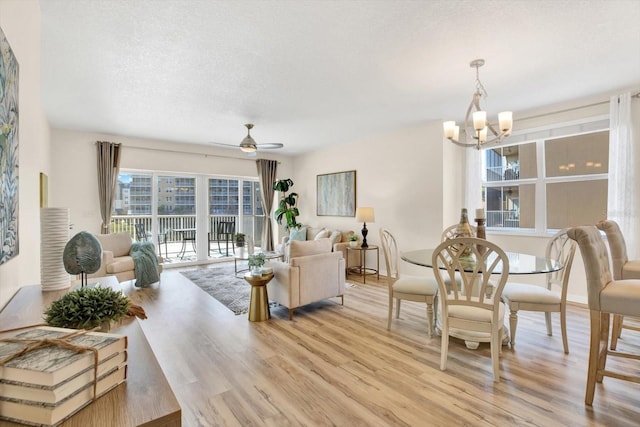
244	256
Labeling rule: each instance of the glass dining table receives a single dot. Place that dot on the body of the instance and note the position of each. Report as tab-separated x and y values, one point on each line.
519	263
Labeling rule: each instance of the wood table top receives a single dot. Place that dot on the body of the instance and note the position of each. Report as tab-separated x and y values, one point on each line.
144	399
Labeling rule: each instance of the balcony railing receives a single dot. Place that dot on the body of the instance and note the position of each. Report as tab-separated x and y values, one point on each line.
168	238
503	219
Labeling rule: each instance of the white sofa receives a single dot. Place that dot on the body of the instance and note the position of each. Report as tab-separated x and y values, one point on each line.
314	272
339	242
116	260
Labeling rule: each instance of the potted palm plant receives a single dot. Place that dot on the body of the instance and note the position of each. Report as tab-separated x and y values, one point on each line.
287	209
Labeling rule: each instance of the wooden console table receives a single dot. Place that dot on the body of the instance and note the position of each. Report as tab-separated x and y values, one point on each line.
144	399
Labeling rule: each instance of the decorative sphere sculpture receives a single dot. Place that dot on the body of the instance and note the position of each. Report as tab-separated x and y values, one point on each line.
82	254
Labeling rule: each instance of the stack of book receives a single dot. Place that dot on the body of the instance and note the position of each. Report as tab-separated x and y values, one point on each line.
47	385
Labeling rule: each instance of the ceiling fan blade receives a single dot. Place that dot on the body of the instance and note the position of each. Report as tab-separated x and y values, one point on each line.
224	145
269	146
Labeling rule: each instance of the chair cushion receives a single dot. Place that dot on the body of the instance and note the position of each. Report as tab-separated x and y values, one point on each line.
299	234
477	314
309	247
120	264
312	231
522	292
416	285
631	270
621	297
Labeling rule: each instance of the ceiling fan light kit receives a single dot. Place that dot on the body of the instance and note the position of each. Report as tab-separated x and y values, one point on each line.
476	127
249	145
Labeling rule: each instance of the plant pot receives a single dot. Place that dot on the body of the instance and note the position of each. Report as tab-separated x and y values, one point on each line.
256	271
353	244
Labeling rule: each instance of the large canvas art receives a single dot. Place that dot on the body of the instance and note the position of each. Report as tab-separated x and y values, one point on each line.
8	151
336	194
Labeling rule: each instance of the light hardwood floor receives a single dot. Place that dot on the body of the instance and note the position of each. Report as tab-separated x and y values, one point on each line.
337	365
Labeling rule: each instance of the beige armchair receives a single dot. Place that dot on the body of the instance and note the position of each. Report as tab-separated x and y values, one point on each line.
313	273
116	260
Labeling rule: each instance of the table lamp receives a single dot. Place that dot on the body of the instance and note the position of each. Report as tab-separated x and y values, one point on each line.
364	215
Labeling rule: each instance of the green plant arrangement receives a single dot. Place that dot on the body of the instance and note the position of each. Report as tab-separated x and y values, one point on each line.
240	239
256	260
87	308
287	209
353	237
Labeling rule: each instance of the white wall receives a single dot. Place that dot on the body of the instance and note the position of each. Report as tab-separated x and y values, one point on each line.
74	180
20	22
399	174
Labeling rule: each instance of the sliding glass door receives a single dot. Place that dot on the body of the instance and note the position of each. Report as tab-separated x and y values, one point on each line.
164	208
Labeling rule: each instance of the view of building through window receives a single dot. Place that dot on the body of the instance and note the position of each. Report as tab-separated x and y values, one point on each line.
166	207
566	186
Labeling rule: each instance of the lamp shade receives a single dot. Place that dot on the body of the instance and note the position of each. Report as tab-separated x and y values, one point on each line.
365	215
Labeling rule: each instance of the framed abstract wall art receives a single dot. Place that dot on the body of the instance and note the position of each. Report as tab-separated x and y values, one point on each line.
336	194
8	151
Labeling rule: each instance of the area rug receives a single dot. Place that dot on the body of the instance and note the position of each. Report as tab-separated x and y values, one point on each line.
222	284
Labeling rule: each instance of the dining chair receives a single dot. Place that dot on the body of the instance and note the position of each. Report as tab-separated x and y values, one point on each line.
450	232
410	288
523	296
622	269
605	297
473	304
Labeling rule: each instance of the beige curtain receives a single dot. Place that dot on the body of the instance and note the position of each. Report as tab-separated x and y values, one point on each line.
108	169
267	175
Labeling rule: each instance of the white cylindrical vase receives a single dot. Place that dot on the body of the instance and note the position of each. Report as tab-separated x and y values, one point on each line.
54	235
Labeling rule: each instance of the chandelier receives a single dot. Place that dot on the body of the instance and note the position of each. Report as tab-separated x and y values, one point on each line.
476	130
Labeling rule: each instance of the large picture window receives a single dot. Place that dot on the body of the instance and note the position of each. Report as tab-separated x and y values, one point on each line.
548	183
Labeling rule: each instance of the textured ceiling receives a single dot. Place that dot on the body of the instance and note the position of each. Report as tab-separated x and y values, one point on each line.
313	73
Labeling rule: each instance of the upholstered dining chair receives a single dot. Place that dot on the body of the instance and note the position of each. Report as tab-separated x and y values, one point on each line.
472	304
549	299
623	268
605	297
411	288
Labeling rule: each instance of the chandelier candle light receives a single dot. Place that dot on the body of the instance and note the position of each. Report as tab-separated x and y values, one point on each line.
364	215
481	127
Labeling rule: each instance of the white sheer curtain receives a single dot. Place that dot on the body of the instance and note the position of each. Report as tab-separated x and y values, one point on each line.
622	184
473	184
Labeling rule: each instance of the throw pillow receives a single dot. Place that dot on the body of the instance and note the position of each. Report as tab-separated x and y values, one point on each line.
335	237
299	234
322	235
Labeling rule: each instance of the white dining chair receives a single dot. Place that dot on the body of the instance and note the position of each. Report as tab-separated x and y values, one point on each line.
411	288
551	298
471	304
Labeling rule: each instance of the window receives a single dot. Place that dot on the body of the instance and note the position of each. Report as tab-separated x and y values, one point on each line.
548	183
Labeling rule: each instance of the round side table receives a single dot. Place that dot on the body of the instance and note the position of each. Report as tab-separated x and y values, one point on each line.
259	304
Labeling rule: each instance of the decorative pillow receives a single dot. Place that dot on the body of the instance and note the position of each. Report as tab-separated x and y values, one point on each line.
299	234
310	247
321	235
335	237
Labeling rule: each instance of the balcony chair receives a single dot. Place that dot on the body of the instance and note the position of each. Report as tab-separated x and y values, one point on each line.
410	288
622	269
141	233
471	305
523	296
605	296
225	231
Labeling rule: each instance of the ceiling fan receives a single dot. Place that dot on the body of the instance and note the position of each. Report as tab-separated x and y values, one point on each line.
249	145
